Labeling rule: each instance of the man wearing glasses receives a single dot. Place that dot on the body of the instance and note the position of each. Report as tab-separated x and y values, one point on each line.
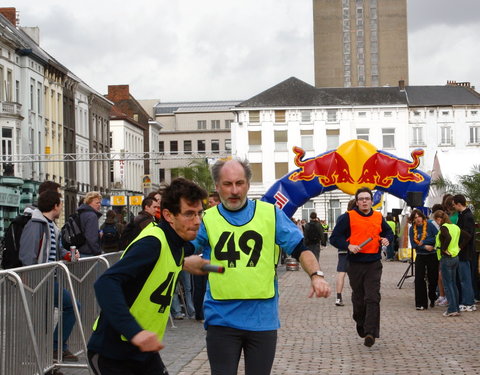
363	232
241	305
136	292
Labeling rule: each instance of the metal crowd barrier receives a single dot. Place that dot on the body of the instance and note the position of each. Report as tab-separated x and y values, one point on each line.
28	316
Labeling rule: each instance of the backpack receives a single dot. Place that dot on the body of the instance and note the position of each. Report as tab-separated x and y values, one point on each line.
110	235
71	233
10	245
312	234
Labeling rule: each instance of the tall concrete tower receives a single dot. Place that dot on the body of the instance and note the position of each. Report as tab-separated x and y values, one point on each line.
360	42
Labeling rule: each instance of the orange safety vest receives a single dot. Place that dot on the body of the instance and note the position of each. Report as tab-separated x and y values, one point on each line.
364	227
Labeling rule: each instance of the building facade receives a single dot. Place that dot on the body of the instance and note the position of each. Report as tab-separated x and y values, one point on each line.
360	42
192	130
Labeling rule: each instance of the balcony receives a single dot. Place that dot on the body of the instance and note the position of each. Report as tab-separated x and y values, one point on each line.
10	109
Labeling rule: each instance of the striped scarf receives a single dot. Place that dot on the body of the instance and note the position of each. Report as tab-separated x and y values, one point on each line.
52	255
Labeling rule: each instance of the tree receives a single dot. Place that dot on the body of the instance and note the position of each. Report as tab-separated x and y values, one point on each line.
197	171
468	185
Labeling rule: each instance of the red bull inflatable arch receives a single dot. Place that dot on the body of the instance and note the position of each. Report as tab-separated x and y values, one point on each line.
352	165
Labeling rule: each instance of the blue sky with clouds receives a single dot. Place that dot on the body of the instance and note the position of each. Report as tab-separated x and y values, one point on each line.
185	50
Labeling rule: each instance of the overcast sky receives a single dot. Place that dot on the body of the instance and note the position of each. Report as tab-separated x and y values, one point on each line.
185	50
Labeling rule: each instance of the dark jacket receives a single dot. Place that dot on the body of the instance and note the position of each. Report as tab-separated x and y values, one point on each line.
117	289
90	228
341	233
313	232
466	222
429	239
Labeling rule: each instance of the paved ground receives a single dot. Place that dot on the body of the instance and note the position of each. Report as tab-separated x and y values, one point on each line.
318	337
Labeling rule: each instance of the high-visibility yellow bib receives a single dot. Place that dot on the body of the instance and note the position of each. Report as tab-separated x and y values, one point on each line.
151	308
247	252
453	247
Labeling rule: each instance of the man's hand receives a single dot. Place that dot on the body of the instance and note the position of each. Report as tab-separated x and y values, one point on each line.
320	288
194	263
354	248
147	341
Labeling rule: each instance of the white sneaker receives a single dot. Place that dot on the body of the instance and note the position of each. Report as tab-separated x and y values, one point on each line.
462	308
447	314
339	302
440	300
470	308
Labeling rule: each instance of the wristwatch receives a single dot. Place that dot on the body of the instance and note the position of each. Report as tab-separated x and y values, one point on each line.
317	273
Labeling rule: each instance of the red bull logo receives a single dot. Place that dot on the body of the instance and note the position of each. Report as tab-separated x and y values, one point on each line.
381	169
354	164
330	168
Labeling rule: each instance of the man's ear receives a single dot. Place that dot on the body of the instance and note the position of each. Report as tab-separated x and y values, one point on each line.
167	215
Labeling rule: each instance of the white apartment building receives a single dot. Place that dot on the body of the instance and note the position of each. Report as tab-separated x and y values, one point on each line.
294	113
126	136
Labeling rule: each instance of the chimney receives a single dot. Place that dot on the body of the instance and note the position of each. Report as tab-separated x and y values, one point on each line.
401	85
10	14
118	93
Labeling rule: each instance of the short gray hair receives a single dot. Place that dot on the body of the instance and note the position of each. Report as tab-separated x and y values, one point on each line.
221	162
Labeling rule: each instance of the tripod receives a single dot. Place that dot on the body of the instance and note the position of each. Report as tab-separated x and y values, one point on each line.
409	272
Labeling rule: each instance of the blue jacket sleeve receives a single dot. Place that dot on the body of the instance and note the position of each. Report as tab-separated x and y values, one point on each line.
110	287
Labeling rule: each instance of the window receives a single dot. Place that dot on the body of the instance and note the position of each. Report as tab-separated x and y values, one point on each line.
306	116
254	116
111	140
161	174
187	147
331	115
334	210
280	117
280	137
387	114
17	93
333	136
475	134
228	124
445	135
228	145
201	146
445	113
362	114
474	113
161	147
307	208
32	99
215	124
306	137
201	124
215	144
281	169
417	136
173	147
255	141
257	175
363	134
7	142
416	113
388	135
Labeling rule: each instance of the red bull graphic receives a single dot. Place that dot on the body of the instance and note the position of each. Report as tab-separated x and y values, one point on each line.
353	164
331	168
381	169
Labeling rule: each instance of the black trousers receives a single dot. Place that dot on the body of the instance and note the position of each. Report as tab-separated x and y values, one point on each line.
426	265
225	345
365	280
199	289
106	366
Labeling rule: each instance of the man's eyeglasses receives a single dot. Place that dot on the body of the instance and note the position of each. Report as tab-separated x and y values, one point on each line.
190	215
364	199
